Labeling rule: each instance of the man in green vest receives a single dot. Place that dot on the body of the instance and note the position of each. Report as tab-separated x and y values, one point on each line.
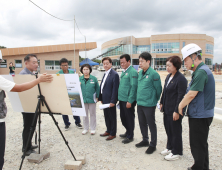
64	64
148	93
127	97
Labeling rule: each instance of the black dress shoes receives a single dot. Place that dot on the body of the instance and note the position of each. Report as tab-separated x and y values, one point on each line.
27	153
150	150
142	144
122	135
127	140
31	148
34	147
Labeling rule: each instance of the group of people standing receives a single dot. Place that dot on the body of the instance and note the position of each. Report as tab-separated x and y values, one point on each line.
197	101
144	90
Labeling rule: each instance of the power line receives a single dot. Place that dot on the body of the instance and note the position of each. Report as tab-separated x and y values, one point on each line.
49	13
75	23
57	17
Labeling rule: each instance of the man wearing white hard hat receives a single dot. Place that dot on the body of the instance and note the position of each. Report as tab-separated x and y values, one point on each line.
200	99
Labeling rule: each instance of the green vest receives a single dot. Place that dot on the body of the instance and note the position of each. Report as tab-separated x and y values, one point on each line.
89	88
128	85
149	88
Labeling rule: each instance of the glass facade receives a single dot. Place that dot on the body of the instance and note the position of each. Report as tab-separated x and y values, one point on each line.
171	47
54	65
209	63
160	64
183	43
18	63
156	48
3	64
124	49
209	49
141	48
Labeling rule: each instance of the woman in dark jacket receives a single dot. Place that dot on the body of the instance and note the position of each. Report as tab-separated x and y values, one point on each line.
173	92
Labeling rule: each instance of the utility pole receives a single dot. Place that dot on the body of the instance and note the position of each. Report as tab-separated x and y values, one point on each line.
74	46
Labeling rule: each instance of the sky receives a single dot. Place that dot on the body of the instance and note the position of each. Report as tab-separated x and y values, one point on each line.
22	24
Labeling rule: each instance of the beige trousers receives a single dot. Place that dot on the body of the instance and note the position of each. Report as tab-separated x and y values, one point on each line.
90	107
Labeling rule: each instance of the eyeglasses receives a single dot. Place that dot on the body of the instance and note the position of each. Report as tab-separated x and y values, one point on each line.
64	65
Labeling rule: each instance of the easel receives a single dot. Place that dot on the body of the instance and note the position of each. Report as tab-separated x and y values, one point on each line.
41	99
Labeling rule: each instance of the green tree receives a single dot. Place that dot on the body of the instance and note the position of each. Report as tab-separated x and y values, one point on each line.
2	47
80	59
97	61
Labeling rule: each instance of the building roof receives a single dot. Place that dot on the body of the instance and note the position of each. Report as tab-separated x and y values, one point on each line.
48	49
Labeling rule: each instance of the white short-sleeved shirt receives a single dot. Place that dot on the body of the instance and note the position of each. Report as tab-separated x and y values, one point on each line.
6	84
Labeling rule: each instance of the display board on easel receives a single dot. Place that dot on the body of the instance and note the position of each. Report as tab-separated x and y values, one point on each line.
63	95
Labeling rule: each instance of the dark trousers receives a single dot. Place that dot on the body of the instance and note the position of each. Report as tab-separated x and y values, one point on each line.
66	120
128	118
27	122
2	143
110	119
146	116
174	134
199	130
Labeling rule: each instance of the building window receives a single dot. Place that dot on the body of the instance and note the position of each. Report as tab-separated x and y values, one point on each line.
160	64
208	62
54	65
183	43
135	61
18	63
141	48
173	47
209	49
112	51
3	64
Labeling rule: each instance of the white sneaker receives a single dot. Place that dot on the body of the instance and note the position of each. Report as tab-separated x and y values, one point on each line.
165	152
84	132
172	157
93	132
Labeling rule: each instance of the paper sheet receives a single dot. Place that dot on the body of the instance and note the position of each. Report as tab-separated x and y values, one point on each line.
158	105
118	106
94	97
103	106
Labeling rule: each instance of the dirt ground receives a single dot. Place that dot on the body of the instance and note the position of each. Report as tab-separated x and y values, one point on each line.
102	154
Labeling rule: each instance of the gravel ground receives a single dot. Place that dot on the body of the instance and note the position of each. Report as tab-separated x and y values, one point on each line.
102	154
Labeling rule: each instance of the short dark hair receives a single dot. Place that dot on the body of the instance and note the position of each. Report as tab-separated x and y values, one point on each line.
107	58
86	65
126	56
146	56
63	60
27	57
175	60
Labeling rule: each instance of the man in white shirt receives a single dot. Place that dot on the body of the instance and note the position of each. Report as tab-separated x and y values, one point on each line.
8	86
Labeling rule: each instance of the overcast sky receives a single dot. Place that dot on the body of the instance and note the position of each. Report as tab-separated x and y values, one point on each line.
22	24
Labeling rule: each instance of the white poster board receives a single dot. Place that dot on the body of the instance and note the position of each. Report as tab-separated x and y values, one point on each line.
63	95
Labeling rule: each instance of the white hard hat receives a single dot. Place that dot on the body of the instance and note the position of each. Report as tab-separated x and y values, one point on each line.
190	49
